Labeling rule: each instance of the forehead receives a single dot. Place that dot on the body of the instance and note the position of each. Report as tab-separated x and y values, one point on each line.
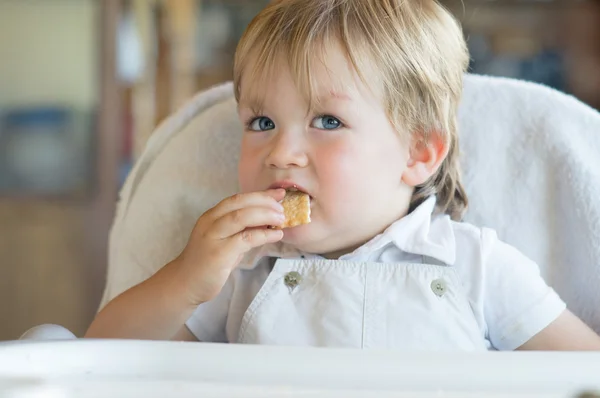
325	73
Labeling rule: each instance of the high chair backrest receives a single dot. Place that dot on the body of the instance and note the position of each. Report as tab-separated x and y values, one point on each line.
531	167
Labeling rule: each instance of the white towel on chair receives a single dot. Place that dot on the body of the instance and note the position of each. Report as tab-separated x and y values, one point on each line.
531	162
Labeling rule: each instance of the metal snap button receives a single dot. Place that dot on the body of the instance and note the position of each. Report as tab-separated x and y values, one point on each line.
439	287
292	280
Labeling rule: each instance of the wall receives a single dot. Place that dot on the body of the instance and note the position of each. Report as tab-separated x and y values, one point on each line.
48	52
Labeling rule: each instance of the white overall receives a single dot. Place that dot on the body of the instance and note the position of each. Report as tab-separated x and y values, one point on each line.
362	305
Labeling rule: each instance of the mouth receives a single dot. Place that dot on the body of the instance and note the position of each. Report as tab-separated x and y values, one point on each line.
290	187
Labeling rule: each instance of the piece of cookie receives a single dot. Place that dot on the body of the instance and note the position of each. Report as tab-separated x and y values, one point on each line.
296	207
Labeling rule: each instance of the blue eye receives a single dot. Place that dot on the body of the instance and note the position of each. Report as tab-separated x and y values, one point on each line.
261	123
326	122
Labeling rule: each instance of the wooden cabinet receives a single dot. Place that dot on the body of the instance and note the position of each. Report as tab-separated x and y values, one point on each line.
53	249
551	42
189	46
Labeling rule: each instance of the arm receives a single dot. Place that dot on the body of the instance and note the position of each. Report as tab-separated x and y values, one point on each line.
158	308
566	333
184	334
522	311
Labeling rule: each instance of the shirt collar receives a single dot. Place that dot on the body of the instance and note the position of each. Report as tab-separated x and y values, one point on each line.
278	250
425	233
421	232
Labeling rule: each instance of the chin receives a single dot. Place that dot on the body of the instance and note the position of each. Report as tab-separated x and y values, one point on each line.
296	235
304	239
301	238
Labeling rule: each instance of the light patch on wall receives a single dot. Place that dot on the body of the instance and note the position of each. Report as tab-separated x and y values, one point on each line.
49	52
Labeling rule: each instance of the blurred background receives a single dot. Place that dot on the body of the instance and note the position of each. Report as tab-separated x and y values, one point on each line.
84	82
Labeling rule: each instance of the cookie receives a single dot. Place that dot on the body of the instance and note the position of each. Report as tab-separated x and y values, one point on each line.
296	207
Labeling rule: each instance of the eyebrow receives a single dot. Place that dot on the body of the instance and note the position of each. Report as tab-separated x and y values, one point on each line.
257	106
251	103
339	95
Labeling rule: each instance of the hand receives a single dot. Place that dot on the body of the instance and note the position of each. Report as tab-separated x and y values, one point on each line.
223	235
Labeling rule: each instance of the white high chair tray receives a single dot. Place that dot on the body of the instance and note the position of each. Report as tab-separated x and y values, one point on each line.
87	368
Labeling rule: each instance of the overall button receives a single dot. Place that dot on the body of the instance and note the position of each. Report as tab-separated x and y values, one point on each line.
439	287
292	280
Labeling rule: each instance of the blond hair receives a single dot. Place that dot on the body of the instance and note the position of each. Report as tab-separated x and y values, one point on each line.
415	46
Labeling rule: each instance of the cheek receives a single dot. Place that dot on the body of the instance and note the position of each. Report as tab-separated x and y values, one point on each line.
340	172
350	170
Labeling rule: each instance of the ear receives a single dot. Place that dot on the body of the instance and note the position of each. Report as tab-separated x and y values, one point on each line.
426	156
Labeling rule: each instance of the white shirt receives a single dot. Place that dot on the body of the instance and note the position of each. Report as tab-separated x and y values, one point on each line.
510	301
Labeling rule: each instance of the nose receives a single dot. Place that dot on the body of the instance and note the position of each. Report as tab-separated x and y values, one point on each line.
287	150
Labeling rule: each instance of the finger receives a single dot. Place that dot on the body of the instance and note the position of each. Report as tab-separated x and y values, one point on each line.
251	238
270	198
277	194
239	220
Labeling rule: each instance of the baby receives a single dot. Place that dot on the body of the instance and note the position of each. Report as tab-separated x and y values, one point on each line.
352	103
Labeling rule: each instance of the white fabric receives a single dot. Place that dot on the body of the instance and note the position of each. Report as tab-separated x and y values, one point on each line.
531	167
381	295
362	305
531	161
48	332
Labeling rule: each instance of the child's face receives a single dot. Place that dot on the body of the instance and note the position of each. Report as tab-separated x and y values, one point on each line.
345	154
